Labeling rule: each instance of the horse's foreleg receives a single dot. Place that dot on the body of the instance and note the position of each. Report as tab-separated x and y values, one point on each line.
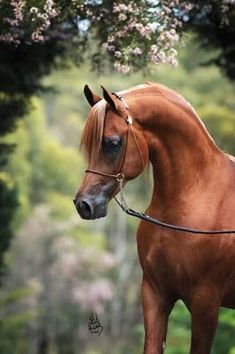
156	312
204	314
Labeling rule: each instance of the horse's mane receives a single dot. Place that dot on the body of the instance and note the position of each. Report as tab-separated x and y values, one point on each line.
172	97
92	135
164	91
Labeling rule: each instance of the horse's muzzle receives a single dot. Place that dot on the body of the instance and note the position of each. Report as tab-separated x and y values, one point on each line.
89	208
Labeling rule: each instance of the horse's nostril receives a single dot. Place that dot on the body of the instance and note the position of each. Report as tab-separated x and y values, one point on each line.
90	209
86	208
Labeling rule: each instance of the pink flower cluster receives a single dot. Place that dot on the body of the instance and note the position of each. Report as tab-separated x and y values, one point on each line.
27	23
17	9
10	38
121	68
144	34
136	31
43	19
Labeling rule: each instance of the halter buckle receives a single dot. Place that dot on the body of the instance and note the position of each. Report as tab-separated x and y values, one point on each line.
120	177
129	120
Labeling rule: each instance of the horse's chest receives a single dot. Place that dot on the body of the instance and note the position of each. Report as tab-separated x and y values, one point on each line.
163	264
179	264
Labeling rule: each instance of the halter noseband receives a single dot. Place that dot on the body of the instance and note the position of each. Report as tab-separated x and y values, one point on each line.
120	175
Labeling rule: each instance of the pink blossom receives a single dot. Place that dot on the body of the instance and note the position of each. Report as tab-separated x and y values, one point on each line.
120	8
33	10
23	19
145	31
9	38
37	37
117	54
154	49
121	68
122	17
172	60
137	51
18	7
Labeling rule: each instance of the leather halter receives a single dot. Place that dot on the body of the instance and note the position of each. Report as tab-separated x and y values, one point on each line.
120	175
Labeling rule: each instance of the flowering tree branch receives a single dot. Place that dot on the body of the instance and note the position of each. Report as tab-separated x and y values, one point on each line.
132	33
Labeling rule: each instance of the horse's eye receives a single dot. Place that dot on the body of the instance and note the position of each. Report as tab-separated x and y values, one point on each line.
115	143
111	145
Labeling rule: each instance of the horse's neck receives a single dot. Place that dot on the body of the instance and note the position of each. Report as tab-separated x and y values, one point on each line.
183	155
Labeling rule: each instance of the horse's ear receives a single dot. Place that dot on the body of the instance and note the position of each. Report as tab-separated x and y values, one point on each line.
111	99
90	96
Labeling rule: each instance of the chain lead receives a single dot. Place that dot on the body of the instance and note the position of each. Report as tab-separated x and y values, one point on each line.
122	203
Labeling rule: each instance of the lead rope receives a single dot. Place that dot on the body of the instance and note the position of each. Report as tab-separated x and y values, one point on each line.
123	205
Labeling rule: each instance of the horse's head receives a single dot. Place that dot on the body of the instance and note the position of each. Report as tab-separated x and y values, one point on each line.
116	150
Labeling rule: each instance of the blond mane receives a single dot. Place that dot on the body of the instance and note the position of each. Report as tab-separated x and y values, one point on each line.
91	139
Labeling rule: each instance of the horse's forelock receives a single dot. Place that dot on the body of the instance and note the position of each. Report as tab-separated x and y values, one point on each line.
93	131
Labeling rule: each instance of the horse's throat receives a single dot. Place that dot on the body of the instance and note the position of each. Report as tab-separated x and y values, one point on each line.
179	168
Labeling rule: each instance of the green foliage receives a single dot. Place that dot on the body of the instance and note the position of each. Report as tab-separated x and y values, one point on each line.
40	164
22	168
225	332
222	129
20	71
14	320
61	160
8	202
178	340
61	205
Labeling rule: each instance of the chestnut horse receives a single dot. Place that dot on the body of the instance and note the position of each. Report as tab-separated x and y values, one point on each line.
194	186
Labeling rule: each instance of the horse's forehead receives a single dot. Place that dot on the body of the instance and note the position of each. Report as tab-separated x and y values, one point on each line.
111	121
114	122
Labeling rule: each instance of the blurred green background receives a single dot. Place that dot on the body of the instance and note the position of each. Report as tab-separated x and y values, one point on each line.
61	268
